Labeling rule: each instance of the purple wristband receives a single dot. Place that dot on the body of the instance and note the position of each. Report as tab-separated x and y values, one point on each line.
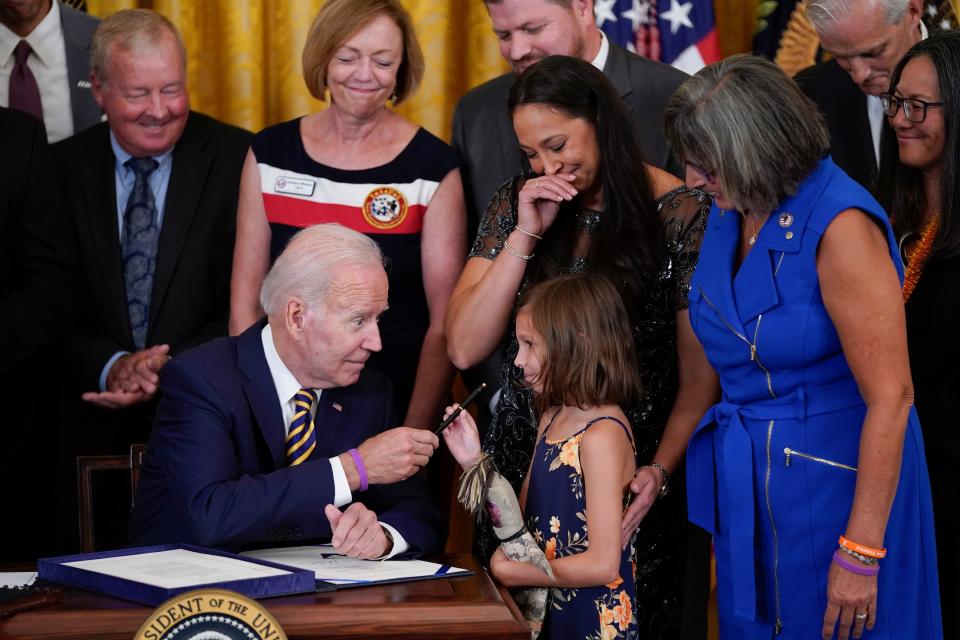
855	567
361	470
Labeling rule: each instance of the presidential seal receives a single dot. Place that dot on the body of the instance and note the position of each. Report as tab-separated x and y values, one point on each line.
210	614
384	208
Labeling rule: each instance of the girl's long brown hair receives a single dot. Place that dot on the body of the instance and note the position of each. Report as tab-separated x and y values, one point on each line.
588	354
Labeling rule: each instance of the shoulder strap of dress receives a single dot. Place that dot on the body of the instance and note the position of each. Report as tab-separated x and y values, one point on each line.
625	428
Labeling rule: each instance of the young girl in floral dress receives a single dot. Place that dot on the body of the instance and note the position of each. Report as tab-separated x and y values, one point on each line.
576	352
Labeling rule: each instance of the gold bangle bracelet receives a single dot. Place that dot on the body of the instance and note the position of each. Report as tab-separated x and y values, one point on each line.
506	245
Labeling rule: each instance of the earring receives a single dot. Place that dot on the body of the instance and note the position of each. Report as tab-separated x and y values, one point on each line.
393	97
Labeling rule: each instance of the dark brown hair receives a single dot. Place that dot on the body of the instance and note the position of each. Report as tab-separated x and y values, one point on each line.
900	188
588	354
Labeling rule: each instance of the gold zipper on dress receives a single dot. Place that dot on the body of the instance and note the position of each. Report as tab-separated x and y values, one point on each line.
788	452
751	345
778	625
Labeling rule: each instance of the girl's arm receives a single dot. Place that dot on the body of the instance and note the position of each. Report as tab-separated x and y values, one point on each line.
606	459
442	245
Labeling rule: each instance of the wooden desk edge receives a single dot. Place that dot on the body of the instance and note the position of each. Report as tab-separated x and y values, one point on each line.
496	617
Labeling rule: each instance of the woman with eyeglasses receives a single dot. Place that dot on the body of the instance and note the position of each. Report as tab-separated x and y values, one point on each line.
810	470
919	187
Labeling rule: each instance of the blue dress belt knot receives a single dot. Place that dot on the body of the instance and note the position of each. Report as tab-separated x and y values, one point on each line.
720	461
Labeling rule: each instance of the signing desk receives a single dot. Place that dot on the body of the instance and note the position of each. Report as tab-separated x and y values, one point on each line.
467	607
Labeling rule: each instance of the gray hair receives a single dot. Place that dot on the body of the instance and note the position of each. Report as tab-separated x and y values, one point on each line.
309	263
824	15
744	120
129	30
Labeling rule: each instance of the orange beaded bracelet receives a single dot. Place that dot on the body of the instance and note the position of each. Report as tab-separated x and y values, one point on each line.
859	548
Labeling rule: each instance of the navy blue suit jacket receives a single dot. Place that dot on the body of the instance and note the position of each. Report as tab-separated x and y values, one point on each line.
214	472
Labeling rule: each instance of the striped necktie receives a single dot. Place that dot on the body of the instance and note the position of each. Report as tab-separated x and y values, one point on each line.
301	439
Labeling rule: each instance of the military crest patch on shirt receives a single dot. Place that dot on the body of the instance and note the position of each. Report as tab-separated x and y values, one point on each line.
384	208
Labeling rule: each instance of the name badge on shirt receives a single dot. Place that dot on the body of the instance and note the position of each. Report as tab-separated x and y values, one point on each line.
295	186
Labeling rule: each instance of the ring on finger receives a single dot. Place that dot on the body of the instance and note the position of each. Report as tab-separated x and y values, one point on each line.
861	616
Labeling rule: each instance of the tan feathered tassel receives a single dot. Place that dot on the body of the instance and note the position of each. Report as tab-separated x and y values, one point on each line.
483	488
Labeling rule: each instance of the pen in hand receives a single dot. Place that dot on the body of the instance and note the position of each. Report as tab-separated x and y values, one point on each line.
456	412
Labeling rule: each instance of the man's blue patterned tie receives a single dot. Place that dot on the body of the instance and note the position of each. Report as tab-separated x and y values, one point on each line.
301	439
139	242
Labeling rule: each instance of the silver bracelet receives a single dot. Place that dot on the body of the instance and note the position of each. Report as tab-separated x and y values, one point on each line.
527	233
507	246
665	477
859	556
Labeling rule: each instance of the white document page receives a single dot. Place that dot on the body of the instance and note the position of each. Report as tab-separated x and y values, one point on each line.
328	566
176	568
17	578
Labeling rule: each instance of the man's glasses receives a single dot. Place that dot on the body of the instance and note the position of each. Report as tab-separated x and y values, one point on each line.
913	108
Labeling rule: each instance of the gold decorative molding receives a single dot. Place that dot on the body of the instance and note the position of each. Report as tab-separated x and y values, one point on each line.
799	42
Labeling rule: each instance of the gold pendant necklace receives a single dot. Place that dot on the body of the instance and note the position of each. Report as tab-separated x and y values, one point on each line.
753	225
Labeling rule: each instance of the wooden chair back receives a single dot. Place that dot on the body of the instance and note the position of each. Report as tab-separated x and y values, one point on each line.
86	466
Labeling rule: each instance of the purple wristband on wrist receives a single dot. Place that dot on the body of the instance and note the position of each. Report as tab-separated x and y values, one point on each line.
361	470
855	567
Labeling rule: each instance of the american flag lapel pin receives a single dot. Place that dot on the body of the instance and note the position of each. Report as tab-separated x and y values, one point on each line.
338	406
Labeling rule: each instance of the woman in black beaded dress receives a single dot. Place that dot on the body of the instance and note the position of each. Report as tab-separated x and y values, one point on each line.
592	204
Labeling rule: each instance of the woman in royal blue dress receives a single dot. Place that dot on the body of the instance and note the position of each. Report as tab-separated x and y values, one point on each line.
810	471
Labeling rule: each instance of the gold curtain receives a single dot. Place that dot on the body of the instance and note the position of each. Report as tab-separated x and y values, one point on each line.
244	57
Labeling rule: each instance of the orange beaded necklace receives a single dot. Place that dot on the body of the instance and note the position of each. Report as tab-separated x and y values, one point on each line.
919	258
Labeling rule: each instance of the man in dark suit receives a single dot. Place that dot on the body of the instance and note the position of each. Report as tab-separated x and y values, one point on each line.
261	438
40	297
59	59
530	30
152	196
866	39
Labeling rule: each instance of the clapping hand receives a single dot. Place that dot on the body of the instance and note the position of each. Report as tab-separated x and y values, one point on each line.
133	379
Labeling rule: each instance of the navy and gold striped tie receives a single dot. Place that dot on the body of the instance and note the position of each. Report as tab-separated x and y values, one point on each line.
301	439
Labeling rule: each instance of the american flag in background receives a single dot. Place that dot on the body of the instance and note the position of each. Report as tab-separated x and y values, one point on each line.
680	33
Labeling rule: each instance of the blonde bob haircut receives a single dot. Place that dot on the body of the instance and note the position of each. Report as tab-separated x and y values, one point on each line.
340	19
588	357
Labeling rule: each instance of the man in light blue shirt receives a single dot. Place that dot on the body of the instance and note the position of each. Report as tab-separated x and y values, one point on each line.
151	195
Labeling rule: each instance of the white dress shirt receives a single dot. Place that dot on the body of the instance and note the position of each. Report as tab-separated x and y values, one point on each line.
287	387
125	179
48	62
601	60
